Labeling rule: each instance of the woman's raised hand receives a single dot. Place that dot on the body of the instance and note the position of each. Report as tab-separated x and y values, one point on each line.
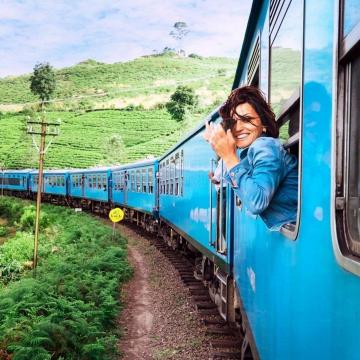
222	142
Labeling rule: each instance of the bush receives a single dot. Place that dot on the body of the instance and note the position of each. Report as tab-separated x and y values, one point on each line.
195	56
27	219
69	310
3	231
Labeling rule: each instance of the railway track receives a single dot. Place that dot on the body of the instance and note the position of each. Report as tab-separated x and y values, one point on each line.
226	341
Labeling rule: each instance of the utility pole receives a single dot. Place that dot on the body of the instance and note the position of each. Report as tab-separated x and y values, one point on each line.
43	128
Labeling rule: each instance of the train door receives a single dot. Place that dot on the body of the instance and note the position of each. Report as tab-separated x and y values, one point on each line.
83	179
126	182
218	201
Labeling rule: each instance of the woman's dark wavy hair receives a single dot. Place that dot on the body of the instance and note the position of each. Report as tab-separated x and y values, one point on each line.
254	97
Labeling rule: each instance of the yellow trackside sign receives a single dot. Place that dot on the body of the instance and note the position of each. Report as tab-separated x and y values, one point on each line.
116	215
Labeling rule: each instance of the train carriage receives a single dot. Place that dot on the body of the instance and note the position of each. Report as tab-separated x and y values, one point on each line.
54	185
194	210
134	187
90	189
14	181
299	287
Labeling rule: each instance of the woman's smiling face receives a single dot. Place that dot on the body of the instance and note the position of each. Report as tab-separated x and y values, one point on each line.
246	132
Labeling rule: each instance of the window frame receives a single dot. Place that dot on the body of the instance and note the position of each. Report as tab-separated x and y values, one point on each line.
150	180
348	49
288	230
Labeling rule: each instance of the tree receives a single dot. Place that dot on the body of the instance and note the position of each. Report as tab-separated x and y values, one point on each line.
179	32
42	81
182	100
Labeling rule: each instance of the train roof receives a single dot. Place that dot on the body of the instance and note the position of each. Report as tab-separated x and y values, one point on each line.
22	171
45	172
139	163
249	34
90	170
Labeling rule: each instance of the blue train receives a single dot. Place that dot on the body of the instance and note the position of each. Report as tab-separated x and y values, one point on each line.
294	292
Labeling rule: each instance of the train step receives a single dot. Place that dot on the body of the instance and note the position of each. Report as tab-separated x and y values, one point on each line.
225	331
226	355
216	321
205	305
199	298
208	311
224	343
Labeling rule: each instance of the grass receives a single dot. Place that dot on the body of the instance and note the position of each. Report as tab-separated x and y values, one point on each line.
69	310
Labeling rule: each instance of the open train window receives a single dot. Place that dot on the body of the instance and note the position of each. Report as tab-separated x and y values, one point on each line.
253	72
144	180
347	196
167	177
182	173
177	174
138	181
286	44
150	181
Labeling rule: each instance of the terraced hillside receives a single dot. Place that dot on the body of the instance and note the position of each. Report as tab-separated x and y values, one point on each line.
110	113
93	138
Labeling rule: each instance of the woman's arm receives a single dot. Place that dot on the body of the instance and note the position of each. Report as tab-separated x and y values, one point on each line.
256	187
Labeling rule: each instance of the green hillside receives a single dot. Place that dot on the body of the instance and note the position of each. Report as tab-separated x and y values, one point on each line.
144	81
94	138
126	123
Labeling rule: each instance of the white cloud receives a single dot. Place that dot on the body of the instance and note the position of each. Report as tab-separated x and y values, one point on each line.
66	32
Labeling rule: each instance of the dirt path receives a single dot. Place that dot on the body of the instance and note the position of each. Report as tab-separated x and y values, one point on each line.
137	317
158	321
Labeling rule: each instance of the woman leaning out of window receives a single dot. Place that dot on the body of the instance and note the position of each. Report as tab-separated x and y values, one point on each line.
262	173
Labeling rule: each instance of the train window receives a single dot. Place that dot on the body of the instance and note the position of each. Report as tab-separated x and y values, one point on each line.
286	44
160	179
138	181
351	15
286	38
14	181
172	174
254	65
177	173
104	182
167	177
182	173
347	203
144	179
150	181
58	181
119	181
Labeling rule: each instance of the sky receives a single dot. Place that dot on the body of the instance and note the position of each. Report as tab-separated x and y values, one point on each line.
67	32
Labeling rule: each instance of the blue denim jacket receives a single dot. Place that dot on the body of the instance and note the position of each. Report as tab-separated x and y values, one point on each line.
266	181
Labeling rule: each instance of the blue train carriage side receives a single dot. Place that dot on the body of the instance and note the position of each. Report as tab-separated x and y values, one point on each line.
196	216
15	182
89	189
54	186
134	188
299	288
